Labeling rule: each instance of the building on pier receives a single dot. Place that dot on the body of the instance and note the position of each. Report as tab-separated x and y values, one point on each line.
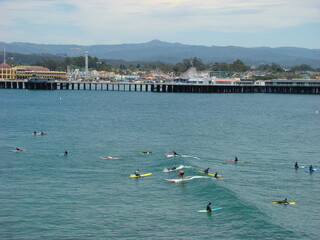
6	72
24	72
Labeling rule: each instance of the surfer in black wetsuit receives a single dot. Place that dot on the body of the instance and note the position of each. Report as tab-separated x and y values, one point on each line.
66	153
311	168
206	171
216	175
175	154
137	173
208	208
296	165
235	159
283	201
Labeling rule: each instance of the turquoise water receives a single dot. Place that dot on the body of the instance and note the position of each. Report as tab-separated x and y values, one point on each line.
81	196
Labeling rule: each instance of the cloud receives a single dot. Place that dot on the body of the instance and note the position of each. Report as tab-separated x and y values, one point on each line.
115	21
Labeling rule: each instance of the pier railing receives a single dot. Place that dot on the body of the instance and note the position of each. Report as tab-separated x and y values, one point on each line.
160	87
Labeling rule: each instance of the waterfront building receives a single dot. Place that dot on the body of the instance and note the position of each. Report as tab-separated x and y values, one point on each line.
6	72
25	72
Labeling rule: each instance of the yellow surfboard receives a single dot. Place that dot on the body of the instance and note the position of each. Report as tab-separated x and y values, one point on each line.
285	203
142	175
210	174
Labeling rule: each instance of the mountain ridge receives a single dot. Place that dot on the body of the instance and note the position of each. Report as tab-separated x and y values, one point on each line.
166	52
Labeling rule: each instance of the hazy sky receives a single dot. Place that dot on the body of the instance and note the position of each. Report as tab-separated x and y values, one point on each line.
247	23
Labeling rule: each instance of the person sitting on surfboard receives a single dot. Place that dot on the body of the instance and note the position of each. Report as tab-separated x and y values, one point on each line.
283	201
137	173
34	132
208	208
216	175
296	165
311	168
180	174
206	171
235	159
65	152
18	149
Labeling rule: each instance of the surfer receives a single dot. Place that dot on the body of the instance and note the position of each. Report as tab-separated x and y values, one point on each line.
35	132
175	154
208	208
283	201
180	174
173	168
137	173
216	175
206	171
296	165
311	168
65	153
18	149
235	159
146	152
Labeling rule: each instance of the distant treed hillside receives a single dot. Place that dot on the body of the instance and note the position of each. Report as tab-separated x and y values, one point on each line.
158	51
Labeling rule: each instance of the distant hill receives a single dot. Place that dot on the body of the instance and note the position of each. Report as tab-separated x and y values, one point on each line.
175	52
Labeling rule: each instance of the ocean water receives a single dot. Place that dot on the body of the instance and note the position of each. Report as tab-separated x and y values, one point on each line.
45	195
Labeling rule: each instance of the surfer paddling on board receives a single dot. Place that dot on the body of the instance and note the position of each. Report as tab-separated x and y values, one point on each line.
283	201
137	173
180	174
173	168
206	171
208	208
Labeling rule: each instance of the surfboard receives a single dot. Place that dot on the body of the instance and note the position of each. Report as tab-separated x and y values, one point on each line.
235	161
141	175
177	180
284	203
145	153
39	134
210	174
300	167
213	209
61	154
110	158
171	180
17	150
172	155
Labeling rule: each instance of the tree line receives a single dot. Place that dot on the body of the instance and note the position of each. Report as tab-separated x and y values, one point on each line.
61	62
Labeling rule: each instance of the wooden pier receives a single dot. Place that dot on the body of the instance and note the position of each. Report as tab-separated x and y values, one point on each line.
160	87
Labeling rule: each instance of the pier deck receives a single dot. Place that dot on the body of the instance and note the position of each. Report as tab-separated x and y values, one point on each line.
159	87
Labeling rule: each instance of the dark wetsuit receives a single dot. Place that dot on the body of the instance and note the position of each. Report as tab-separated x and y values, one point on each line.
208	208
